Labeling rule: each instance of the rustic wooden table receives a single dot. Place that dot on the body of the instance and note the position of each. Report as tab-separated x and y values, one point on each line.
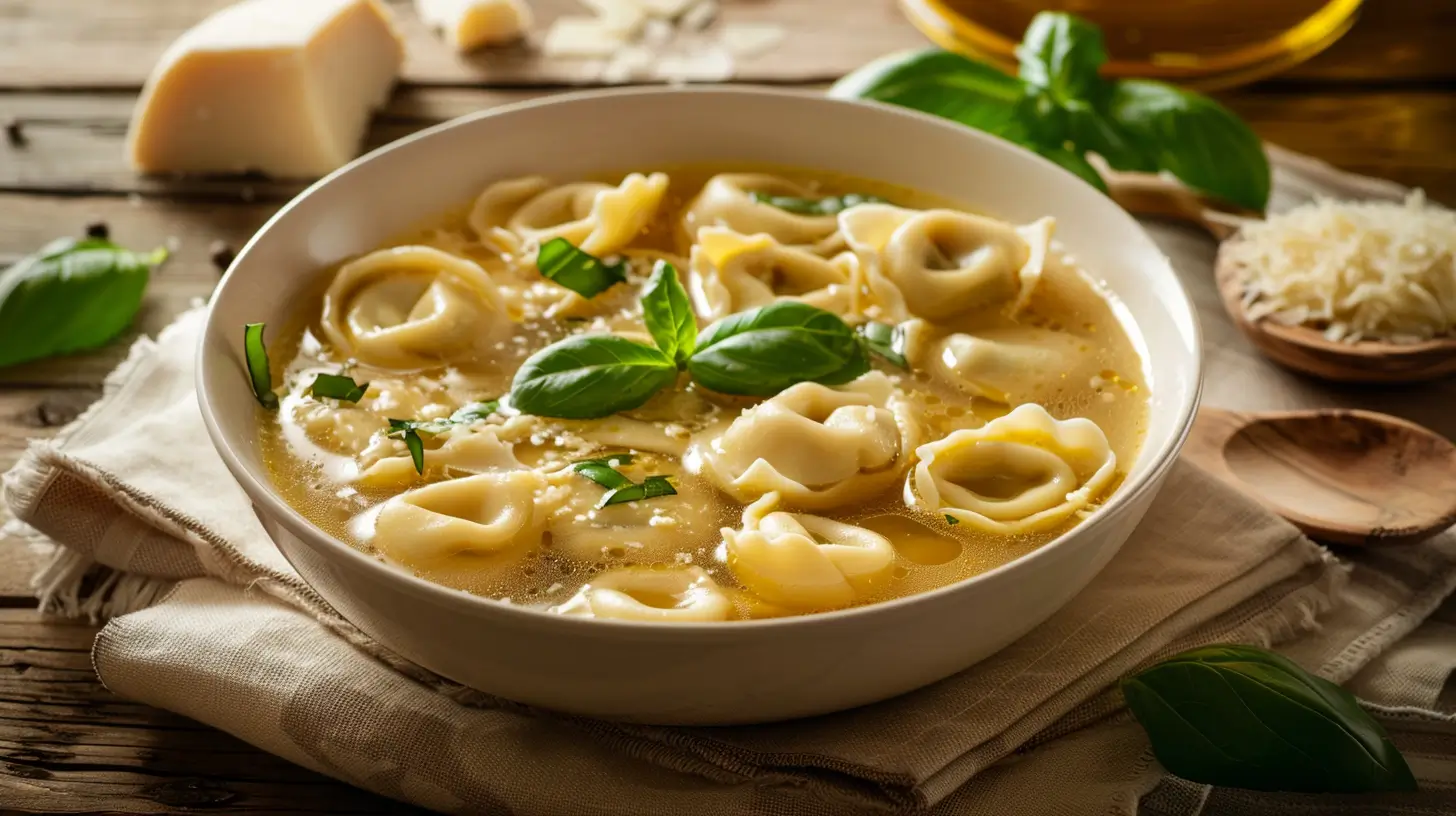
1380	102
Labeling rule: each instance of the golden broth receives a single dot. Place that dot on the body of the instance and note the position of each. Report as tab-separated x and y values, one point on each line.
1106	386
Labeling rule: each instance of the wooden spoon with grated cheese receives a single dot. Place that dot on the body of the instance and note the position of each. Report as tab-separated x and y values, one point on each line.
1300	347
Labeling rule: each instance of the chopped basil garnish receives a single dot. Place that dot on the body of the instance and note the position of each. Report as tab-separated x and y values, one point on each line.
762	351
951	520
585	274
620	489
409	430
1243	717
257	358
828	205
669	314
652	487
886	341
339	387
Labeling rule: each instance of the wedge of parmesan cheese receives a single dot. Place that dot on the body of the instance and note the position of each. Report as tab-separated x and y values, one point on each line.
280	87
471	24
1356	270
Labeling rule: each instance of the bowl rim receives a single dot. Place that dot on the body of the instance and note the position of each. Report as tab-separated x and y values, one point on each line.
266	500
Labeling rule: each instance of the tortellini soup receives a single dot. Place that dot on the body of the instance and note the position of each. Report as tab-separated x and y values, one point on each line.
697	396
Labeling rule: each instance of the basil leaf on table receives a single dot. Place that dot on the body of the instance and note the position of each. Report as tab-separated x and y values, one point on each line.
651	488
886	341
1243	717
945	84
669	314
70	296
590	375
1196	139
1063	53
255	354
339	387
828	205
583	273
1074	162
762	351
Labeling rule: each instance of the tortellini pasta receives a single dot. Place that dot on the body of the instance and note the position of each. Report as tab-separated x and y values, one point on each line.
730	272
727	201
519	215
1008	365
475	514
653	530
1024	472
937	264
818	447
387	463
684	595
412	307
805	562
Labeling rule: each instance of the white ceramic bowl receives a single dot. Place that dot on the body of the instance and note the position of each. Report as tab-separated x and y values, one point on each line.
703	673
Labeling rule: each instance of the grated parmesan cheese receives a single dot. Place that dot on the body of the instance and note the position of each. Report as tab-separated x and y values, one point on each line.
1356	270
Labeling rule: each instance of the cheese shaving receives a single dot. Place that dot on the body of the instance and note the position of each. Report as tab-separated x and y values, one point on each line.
1356	270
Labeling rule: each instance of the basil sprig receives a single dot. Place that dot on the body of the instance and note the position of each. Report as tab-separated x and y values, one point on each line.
1060	107
560	261
409	430
72	295
339	387
828	205
1243	717
754	353
762	351
620	489
255	352
886	341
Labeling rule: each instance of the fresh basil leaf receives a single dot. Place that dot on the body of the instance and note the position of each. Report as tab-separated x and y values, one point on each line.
1076	163
1063	53
475	411
951	521
70	296
339	387
256	355
886	341
669	314
590	375
652	487
828	205
1196	139
610	460
602	473
760	352
946	85
1243	717
409	431
561	262
1090	129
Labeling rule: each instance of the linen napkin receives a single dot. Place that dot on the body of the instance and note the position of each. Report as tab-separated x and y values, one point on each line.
137	500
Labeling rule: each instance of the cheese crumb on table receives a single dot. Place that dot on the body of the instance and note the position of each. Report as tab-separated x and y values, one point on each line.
582	37
1356	270
750	39
280	87
472	24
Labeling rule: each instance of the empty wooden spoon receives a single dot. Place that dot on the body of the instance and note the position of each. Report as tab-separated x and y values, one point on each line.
1348	477
1298	347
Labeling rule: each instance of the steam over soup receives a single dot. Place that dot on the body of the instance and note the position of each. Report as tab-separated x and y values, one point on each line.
703	397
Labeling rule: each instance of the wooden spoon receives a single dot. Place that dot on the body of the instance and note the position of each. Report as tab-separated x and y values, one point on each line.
1298	347
1348	477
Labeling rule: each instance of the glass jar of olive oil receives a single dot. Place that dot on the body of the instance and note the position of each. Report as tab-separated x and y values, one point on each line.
1203	43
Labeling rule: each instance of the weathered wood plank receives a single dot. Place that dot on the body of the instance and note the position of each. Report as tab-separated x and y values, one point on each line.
76	141
67	745
114	45
189	228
